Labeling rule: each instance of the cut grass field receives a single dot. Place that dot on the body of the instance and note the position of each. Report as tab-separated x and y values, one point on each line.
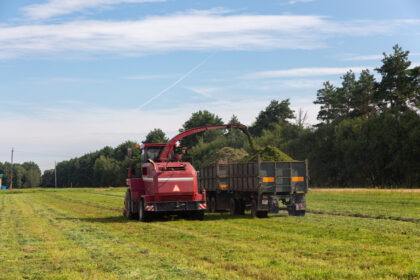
81	234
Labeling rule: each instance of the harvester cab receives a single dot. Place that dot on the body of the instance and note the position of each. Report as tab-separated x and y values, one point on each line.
151	151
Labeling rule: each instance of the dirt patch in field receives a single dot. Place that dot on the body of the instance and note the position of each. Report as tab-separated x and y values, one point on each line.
362	189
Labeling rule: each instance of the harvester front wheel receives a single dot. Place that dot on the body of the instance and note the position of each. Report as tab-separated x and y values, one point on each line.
128	211
144	216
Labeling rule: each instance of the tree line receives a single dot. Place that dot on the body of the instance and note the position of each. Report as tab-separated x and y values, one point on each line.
25	175
368	135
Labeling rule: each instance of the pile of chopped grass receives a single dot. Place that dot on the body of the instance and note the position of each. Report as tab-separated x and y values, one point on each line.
226	154
269	153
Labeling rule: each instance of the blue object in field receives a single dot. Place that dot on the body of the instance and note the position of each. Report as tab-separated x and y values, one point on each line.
3	187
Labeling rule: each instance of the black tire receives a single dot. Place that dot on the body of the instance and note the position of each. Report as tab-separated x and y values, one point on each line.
241	207
254	208
209	209
144	216
197	215
298	199
293	212
233	206
213	204
301	213
128	211
262	214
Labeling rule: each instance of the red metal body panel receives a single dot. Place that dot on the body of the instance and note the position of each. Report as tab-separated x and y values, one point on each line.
137	188
170	185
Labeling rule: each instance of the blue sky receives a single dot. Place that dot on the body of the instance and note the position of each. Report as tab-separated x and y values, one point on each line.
76	75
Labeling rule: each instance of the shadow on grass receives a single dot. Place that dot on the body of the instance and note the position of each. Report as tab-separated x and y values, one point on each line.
171	217
104	220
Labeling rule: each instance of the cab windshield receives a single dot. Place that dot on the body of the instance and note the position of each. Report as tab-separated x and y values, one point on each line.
151	153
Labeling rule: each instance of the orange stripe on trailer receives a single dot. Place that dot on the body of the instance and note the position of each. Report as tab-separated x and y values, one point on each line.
298	179
223	186
268	179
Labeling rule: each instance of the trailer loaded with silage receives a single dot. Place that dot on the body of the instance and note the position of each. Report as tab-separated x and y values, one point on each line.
262	186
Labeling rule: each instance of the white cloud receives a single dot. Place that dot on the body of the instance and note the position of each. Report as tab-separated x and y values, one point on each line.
194	30
363	57
304	72
54	8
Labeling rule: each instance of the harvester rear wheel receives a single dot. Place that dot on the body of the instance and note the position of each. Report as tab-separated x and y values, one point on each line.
128	212
144	216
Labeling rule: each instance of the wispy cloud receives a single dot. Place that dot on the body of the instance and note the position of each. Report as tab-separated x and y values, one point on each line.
146	77
304	72
350	57
206	92
75	80
295	84
291	2
193	30
54	8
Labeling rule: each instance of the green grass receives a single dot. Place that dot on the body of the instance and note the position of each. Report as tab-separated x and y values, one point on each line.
81	234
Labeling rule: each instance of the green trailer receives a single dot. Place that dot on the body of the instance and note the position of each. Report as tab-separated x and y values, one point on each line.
262	187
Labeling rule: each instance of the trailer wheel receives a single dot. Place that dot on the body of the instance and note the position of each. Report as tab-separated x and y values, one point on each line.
233	206
209	206
197	215
241	207
143	215
262	214
253	208
293	212
213	204
298	199
128	212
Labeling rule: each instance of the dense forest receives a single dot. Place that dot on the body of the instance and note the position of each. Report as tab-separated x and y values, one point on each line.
368	135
